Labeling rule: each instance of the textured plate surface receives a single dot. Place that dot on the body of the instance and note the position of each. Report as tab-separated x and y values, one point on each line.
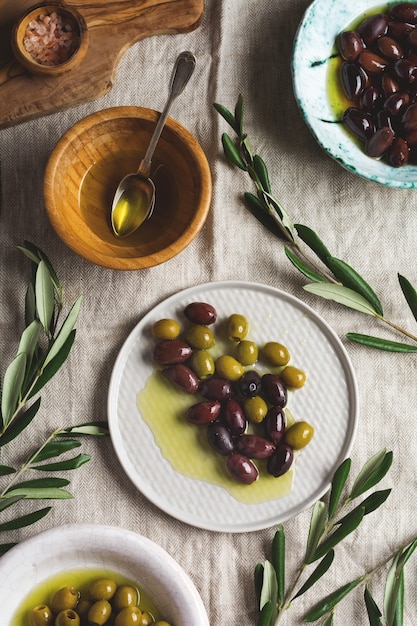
314	44
328	401
79	546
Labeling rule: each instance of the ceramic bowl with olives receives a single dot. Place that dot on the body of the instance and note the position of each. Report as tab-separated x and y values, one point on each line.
355	81
95	575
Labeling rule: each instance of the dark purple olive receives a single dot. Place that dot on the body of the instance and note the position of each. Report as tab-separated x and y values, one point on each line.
249	384
183	377
242	468
412	39
234	417
409	122
371	62
274	389
373	27
404	12
350	45
353	80
383	120
216	389
389	85
398	154
281	461
379	143
254	447
171	351
389	48
405	70
200	313
274	424
220	438
399	30
396	102
359	122
203	412
370	98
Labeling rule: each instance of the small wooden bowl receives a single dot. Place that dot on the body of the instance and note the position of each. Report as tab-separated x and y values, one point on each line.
80	33
85	168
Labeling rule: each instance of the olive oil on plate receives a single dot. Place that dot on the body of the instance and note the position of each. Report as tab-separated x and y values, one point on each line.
187	449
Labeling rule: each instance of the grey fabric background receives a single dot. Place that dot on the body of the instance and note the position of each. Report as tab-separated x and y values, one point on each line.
241	47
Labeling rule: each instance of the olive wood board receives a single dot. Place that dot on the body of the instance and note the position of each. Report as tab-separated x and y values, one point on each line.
113	27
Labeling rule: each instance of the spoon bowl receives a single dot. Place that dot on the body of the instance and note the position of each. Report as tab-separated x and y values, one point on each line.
134	199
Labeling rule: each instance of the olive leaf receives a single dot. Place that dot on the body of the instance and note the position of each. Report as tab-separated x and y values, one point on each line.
55	448
342	295
20	423
317	524
381	344
12	386
351	279
228	116
319	571
64	333
41	493
394	586
372	609
258	580
371	503
70	464
410	294
349	524
95	429
232	152
25	520
265	615
338	484
278	562
330	601
53	366
269	591
6	469
44	292
257	208
313	241
303	267
239	115
262	172
371	473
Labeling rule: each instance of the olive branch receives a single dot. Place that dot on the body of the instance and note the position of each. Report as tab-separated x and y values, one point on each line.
332	278
43	348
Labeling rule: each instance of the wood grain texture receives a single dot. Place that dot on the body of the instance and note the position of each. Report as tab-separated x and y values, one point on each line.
113	27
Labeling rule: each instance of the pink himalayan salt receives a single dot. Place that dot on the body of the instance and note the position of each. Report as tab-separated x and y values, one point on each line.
50	39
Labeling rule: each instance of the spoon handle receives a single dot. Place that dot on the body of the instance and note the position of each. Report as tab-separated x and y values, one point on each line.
181	74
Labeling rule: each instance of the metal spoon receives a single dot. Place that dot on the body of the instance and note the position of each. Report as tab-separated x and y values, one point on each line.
134	199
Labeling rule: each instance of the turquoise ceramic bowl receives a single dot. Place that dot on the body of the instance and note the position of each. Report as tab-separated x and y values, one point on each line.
312	58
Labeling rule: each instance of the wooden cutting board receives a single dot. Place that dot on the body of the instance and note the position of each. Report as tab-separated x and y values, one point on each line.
113	27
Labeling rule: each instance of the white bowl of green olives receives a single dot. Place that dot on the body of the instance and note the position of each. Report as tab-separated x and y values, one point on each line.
92	574
355	81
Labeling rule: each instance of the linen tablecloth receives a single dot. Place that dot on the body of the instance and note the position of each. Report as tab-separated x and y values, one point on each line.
241	47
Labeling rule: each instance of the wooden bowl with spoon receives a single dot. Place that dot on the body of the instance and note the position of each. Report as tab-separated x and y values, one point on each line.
86	167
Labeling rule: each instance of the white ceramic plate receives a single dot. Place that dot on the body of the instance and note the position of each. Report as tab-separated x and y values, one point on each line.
314	44
329	399
82	546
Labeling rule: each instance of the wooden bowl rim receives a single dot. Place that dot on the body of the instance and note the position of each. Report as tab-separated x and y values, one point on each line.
26	59
128	262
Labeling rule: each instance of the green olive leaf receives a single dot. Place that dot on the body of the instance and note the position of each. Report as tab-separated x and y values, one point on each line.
317	524
64	332
351	279
5	502
381	344
394	589
53	366
303	267
262	172
227	115
12	387
44	293
410	294
371	473
70	464
50	481
19	423
342	295
36	255
399	606
4	547
269	591
278	562
372	609
239	116
25	520
6	469
313	241
95	429
232	153
371	503
29	339
282	214
55	448
318	572
350	523
338	483
260	211
246	149
265	616
30	305
41	493
330	601
257	580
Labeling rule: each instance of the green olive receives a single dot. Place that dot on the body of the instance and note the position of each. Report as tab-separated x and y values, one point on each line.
125	596
255	409
64	598
67	618
227	367
41	615
276	353
237	327
99	612
161	622
202	363
293	377
247	352
166	328
146	619
199	337
102	589
299	435
130	616
83	607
